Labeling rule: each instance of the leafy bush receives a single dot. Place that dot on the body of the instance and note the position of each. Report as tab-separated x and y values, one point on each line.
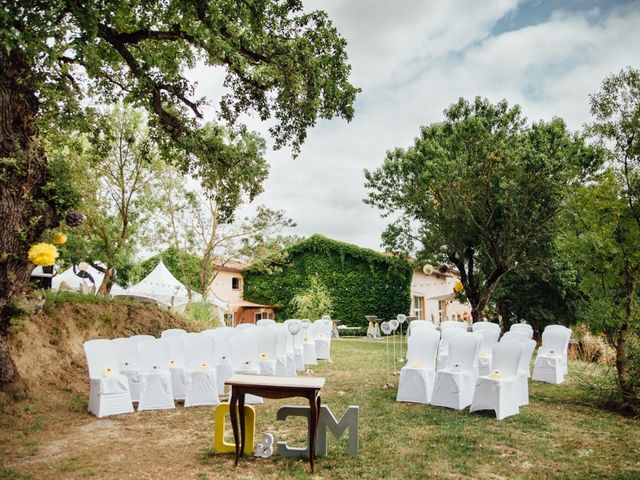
359	281
314	302
202	312
602	383
591	348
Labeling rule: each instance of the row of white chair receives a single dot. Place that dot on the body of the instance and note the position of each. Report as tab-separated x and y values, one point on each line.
551	362
475	369
192	366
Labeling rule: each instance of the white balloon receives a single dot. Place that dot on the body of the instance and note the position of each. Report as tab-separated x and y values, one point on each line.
402	318
386	328
305	323
294	327
394	323
325	317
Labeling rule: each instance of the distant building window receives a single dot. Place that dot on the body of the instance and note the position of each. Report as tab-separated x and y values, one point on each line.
235	283
264	315
442	306
418	307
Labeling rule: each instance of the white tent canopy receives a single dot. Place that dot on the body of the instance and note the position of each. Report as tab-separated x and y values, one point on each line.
159	286
77	283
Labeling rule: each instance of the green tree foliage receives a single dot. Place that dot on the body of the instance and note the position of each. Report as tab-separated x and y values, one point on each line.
119	191
481	189
56	58
603	222
191	220
601	239
540	296
359	281
314	302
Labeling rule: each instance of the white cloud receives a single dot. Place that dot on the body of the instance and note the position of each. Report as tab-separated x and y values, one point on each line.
413	59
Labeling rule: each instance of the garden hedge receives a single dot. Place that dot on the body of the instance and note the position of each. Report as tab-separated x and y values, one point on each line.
361	281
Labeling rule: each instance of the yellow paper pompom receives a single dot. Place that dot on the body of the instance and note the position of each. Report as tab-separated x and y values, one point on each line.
59	238
43	254
458	287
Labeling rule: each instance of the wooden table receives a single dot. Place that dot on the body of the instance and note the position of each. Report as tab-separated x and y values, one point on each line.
273	387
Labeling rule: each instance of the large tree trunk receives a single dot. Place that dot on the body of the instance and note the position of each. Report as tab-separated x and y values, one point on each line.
621	359
23	209
105	287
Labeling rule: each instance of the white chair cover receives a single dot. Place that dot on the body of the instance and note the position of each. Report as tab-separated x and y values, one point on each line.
548	365
308	345
318	331
453	323
523	328
245	326
418	376
446	335
156	392
419	324
129	363
511	335
500	394
524	371
172	332
108	388
265	322
485	325
267	349
177	366
244	358
222	338
566	345
202	386
455	384
326	335
282	358
291	352
489	339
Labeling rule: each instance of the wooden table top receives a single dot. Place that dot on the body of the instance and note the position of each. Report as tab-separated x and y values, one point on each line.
273	381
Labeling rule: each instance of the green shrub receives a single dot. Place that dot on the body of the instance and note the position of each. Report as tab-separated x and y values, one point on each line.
314	302
359	281
602	383
202	312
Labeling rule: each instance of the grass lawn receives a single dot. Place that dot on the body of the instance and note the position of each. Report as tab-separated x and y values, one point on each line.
559	435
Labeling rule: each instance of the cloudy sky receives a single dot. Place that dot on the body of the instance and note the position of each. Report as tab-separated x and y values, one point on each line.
414	58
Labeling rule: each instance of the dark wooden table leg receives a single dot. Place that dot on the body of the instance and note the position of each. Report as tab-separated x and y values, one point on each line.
313	418
317	418
233	413
241	395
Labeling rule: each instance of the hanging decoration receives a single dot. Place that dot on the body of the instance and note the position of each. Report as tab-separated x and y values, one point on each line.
401	319
394	326
43	254
386	329
59	238
458	287
427	269
74	219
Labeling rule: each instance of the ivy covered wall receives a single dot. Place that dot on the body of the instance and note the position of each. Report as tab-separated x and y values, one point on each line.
361	281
